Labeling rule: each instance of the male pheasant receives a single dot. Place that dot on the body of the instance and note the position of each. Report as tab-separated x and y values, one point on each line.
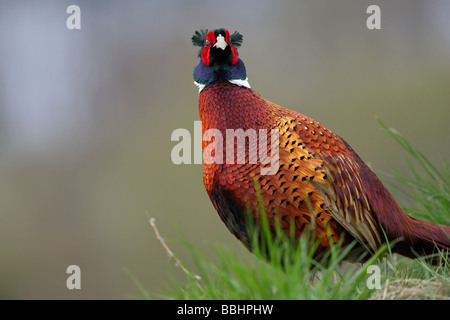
320	181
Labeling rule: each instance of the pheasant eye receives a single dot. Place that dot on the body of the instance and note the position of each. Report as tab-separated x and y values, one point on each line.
206	43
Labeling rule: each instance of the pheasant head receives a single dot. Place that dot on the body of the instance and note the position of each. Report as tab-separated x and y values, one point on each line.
218	57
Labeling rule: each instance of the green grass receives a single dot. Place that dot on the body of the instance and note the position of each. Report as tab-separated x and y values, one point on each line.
282	270
426	186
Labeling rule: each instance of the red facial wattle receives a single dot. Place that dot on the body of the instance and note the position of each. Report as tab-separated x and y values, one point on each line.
210	39
233	49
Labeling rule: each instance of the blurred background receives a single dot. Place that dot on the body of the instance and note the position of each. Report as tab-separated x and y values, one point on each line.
86	118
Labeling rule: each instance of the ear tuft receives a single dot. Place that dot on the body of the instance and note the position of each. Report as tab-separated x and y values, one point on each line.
197	38
236	39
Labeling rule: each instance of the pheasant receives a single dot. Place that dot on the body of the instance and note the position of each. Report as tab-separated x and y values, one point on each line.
320	181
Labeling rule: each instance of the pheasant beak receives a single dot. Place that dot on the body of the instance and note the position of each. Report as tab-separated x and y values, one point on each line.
220	42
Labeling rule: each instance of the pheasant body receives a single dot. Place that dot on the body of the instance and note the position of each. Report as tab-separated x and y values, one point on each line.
320	180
